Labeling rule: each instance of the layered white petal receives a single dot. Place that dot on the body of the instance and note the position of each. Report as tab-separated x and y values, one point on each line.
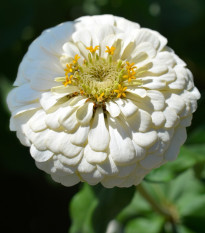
75	137
98	137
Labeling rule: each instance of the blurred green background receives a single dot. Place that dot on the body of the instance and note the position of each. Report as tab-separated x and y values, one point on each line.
30	201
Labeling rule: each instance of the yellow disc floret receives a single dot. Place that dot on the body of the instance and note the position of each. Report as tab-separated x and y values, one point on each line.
120	91
99	78
92	50
110	50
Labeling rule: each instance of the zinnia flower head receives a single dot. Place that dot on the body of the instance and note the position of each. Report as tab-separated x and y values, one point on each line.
102	100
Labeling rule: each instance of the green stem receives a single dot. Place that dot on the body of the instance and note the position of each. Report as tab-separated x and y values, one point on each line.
156	206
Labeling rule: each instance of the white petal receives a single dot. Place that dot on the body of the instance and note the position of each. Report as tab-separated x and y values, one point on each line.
52	118
25	108
157	99
98	137
127	48
162	39
141	121
145	48
63	91
178	139
180	82
37	121
70	50
70	161
126	170
92	178
53	141
23	139
155	84
69	180
53	39
126	106
18	123
94	156
186	121
25	94
165	135
85	167
164	58
70	123
126	25
62	169
40	156
176	102
121	148
151	161
140	152
99	33
110	182
138	58
137	91
145	139
146	35
171	117
112	108
61	143
82	36
45	166
38	139
42	84
158	119
108	167
86	21
85	113
81	135
49	99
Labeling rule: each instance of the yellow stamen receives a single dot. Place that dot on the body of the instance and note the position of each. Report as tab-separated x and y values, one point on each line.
121	91
100	98
76	59
92	50
130	67
68	69
68	80
82	92
110	50
130	75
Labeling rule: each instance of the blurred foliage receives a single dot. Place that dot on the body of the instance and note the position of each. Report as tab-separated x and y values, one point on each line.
30	201
177	194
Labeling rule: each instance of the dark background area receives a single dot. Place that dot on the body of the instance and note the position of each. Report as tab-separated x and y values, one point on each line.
30	201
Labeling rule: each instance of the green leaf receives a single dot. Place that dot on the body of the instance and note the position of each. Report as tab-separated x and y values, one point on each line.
5	87
81	209
183	229
93	207
151	224
137	207
184	196
189	156
110	203
197	136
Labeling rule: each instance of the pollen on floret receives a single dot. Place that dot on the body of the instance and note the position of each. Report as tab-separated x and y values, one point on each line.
75	60
68	69
110	50
130	67
68	80
100	98
120	91
99	79
92	50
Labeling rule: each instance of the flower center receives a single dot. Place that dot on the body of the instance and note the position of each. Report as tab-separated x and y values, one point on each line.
99	78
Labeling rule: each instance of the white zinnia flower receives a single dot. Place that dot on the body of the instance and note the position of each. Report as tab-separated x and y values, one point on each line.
102	100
